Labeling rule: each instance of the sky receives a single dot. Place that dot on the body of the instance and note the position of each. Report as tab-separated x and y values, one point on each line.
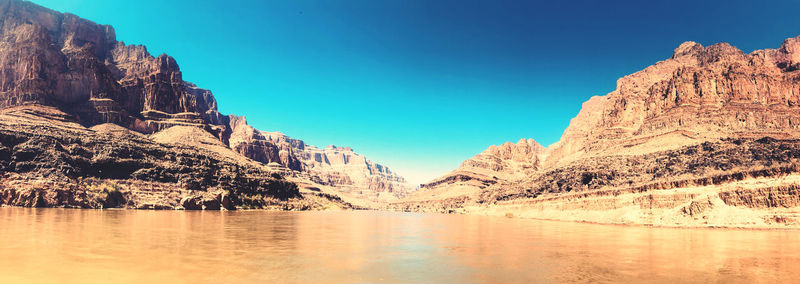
422	85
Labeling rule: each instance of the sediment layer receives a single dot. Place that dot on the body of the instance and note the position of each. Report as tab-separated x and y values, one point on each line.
706	137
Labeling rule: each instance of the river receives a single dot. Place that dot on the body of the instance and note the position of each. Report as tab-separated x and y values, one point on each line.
79	246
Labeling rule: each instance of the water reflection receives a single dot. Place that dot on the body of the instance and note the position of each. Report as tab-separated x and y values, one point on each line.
57	245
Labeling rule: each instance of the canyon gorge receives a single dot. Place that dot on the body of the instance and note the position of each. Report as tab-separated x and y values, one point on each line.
709	137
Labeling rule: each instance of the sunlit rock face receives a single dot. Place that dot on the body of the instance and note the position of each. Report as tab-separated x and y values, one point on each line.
508	161
341	165
332	166
700	93
59	60
682	142
251	143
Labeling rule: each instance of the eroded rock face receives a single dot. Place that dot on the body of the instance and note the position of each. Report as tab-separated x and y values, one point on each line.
342	166
508	161
61	60
700	93
332	166
251	143
707	137
49	160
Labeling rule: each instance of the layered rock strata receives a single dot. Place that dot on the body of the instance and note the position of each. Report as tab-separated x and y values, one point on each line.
47	159
338	167
699	94
704	138
61	60
50	59
508	161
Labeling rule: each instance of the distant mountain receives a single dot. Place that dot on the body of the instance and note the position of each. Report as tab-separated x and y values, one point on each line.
337	167
59	63
508	161
704	138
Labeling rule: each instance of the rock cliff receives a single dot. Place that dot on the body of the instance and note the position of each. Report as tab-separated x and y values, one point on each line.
61	60
337	167
681	143
53	62
700	93
508	161
47	159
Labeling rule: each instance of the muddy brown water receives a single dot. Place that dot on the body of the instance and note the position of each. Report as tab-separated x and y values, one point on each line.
79	246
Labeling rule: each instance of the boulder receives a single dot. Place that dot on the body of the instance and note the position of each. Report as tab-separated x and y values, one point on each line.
191	203
211	204
226	201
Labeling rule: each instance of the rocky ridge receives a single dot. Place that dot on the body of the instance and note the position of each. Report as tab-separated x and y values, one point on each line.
700	93
508	161
714	97
49	160
338	168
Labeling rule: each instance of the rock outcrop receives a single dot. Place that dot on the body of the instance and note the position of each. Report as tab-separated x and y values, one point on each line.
704	138
50	60
338	167
508	162
699	94
47	159
61	60
254	144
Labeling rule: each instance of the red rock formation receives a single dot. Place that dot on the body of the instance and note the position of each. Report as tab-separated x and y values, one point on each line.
700	92
251	143
60	60
508	161
675	144
64	61
333	166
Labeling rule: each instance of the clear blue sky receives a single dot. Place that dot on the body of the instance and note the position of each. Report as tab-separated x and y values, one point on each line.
422	85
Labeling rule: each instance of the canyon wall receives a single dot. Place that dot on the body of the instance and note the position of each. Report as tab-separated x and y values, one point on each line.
60	60
51	60
699	94
331	166
702	128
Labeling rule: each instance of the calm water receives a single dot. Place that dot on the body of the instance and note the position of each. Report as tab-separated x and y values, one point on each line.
62	245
